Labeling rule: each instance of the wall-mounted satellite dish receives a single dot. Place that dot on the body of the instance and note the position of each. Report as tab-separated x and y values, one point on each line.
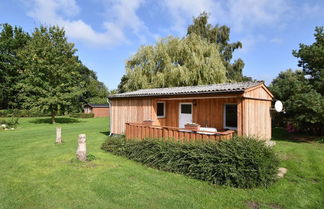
278	106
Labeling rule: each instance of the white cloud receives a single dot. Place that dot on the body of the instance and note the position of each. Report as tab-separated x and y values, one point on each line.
122	15
182	11
64	12
239	14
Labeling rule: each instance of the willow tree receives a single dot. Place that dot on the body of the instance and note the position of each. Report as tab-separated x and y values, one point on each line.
221	36
51	81
174	62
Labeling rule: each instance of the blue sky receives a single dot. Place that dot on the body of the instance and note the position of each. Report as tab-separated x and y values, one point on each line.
107	32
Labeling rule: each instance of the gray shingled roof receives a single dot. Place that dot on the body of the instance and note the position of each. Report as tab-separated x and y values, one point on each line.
190	90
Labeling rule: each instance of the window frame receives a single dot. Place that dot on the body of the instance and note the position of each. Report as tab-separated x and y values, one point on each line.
161	116
224	119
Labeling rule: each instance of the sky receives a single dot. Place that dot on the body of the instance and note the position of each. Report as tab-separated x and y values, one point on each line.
108	32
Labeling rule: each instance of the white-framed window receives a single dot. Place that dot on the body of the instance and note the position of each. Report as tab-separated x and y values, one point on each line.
160	109
230	116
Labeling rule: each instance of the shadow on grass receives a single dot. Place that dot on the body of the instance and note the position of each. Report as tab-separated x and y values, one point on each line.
281	134
57	120
106	133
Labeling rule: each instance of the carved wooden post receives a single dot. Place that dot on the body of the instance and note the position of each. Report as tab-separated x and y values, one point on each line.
81	152
58	135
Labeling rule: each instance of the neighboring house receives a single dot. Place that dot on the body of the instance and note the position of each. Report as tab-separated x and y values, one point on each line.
99	110
243	107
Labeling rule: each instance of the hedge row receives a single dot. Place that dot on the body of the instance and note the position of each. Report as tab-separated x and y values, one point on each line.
240	162
21	113
82	115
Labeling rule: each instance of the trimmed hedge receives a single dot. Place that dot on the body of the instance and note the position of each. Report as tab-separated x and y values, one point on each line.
21	113
240	162
82	115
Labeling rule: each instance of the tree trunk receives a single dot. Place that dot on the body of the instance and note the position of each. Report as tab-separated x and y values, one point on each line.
53	118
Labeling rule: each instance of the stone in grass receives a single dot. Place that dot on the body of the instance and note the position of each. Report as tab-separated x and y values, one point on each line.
270	143
81	152
282	172
3	125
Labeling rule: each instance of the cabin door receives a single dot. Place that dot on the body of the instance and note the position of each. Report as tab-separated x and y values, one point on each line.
185	114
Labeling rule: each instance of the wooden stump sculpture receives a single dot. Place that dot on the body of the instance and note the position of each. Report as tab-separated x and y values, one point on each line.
58	135
81	152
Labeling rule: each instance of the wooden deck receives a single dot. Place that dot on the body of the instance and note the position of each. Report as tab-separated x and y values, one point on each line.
141	131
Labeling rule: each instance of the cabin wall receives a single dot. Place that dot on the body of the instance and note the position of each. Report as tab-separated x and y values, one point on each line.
129	110
256	118
253	112
206	112
256	113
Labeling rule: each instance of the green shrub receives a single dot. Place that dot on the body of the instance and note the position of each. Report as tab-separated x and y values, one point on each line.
11	122
21	113
91	157
240	162
82	115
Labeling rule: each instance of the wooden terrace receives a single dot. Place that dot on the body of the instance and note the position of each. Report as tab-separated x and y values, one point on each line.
141	131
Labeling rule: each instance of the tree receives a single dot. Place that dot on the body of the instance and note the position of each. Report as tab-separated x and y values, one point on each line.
311	59
304	106
221	36
52	81
12	39
174	62
95	91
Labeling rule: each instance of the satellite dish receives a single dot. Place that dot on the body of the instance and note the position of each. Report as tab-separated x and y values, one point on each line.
278	106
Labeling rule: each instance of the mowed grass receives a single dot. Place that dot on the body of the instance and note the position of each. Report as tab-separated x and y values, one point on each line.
37	173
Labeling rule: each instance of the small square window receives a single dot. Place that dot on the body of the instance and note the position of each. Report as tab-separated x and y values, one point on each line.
160	110
186	108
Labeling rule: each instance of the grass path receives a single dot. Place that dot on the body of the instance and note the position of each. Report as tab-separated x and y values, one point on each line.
36	173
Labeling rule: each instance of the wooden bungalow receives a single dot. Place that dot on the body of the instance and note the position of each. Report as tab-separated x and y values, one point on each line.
243	107
99	110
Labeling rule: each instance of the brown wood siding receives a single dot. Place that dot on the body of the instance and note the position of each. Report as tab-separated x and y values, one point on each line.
129	110
256	112
253	111
100	112
140	131
259	92
257	120
206	112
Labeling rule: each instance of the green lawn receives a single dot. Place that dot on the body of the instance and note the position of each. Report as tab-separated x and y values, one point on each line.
36	173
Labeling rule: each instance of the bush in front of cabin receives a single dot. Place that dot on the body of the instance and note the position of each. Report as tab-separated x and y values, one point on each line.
82	115
240	162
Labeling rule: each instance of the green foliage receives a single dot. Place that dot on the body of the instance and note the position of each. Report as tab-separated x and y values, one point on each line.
12	39
95	91
304	106
21	113
311	59
174	62
82	115
240	162
51	81
44	51
12	122
302	92
221	36
90	157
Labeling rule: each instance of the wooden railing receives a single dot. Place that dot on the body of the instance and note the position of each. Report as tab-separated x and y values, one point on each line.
141	131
